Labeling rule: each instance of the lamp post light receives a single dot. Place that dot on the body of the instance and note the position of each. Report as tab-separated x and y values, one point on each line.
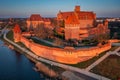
51	71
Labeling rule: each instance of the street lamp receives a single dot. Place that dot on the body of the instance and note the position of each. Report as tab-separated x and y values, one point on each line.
51	71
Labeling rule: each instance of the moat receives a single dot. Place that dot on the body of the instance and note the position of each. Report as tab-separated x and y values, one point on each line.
15	66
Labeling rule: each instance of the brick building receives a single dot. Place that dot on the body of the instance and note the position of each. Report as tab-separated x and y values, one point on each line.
35	20
81	24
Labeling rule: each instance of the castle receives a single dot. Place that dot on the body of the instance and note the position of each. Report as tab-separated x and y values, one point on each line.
35	20
66	55
78	25
81	24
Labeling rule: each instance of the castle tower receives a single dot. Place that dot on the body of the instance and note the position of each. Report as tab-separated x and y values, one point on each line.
77	9
72	27
17	33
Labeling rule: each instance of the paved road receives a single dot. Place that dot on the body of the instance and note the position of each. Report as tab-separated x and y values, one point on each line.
71	76
97	62
115	52
92	75
115	44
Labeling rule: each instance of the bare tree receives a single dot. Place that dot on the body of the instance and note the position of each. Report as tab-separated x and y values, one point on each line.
58	42
102	38
49	32
43	32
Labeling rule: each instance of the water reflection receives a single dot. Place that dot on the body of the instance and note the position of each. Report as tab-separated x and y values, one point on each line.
15	66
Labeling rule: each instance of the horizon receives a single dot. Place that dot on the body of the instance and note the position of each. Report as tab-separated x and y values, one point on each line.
24	8
46	17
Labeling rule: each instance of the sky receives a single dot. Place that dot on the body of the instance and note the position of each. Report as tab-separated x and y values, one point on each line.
50	8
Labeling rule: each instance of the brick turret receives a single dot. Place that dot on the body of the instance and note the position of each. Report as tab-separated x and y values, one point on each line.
17	33
72	27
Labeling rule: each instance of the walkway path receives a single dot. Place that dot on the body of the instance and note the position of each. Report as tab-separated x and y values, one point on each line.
98	77
102	58
115	44
71	76
97	62
117	51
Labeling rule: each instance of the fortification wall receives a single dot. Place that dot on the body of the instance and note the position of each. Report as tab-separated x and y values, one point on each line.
68	56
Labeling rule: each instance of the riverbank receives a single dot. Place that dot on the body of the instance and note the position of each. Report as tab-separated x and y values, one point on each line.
55	69
16	66
83	72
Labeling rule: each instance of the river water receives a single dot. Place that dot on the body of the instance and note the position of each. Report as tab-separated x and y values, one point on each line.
15	66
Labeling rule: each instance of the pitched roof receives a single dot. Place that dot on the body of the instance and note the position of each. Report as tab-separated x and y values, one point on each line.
66	14
35	17
86	15
17	29
80	15
72	19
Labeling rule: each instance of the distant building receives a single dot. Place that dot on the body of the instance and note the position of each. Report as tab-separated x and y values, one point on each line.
35	20
113	19
1	22
81	24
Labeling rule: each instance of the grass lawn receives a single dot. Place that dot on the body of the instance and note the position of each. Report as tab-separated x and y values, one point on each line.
110	67
89	62
43	43
40	42
21	44
10	35
113	48
50	40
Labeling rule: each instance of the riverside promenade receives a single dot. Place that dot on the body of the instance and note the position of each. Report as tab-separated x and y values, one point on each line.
115	52
75	69
98	61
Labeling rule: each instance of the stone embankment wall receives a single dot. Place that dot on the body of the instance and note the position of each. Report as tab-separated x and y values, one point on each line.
68	56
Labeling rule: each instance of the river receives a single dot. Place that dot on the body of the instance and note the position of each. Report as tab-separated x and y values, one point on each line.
15	66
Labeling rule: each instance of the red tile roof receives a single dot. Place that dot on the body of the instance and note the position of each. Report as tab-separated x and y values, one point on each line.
86	15
17	29
35	17
66	14
72	19
81	15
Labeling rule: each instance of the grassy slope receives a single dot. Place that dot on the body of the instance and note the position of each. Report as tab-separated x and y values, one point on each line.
110	67
89	62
